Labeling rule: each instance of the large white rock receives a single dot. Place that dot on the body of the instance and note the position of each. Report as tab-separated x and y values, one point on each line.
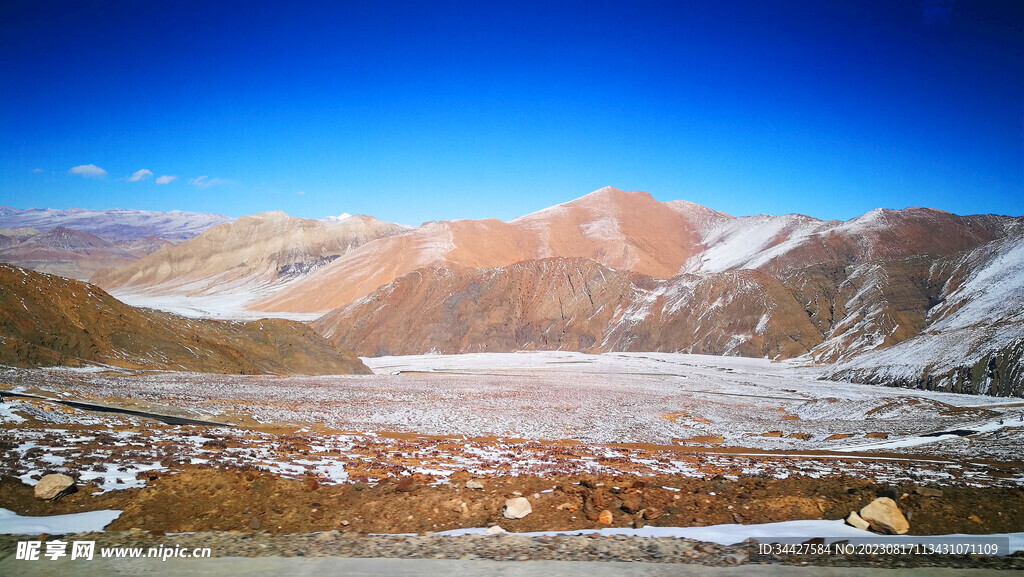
53	486
885	517
517	508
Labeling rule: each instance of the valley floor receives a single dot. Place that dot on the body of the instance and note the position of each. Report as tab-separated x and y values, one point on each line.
702	441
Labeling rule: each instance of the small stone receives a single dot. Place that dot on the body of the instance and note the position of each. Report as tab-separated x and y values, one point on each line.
885	517
928	492
517	508
255	523
344	523
54	487
405	484
652	513
474	484
605	517
495	530
632	502
855	520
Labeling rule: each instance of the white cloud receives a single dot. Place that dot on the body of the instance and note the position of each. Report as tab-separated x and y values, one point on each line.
165	179
140	175
38	171
205	181
301	192
88	171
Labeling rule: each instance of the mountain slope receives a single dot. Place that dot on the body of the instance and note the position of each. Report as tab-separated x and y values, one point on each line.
622	230
250	252
572	304
50	320
974	338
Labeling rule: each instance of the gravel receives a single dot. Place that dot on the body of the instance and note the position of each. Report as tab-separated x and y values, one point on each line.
509	547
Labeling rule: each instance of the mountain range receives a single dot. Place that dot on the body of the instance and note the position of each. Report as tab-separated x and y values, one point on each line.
76	243
915	297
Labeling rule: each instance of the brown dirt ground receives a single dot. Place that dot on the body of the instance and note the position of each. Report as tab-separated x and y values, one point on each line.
198	499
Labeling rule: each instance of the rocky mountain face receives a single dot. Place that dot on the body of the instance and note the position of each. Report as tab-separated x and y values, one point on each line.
256	250
973	335
50	320
573	304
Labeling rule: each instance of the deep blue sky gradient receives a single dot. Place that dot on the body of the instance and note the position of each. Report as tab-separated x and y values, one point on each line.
415	111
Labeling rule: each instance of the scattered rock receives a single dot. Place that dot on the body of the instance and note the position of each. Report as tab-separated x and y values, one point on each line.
474	484
255	523
495	530
405	484
54	487
928	492
605	517
566	506
884	516
855	520
517	508
328	535
632	503
652	513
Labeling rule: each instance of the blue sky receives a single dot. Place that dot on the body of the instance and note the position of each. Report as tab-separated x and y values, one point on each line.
416	111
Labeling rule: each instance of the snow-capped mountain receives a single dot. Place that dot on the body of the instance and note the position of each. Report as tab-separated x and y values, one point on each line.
114	224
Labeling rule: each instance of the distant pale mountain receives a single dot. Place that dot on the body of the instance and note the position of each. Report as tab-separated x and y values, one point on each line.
114	224
66	252
76	243
251	254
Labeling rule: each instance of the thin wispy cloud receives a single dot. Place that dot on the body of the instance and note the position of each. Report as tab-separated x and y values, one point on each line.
301	192
138	175
38	171
88	171
205	181
166	179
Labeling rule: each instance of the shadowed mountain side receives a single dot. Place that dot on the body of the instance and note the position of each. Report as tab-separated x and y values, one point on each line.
49	320
256	249
573	304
